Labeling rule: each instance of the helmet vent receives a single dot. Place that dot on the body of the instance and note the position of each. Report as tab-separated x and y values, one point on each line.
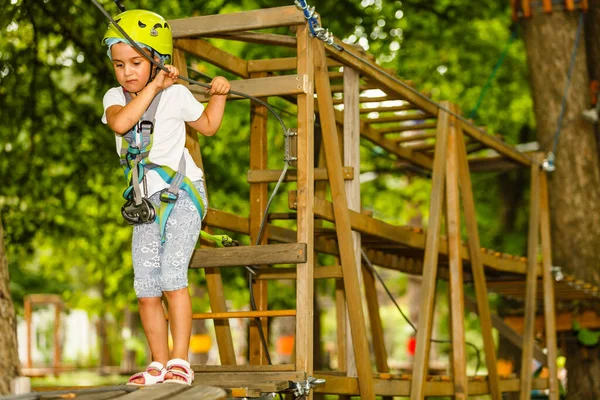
141	24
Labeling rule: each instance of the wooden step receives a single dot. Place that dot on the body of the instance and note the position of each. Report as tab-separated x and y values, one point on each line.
287	253
244	314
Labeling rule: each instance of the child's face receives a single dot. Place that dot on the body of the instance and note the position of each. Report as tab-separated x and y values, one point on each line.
132	70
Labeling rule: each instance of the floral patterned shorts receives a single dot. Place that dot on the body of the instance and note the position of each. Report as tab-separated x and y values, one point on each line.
160	267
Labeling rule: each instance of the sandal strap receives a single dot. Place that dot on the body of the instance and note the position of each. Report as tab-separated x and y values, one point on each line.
155	365
179	363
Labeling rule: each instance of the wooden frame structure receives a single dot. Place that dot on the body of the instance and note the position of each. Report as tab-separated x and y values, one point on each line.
420	134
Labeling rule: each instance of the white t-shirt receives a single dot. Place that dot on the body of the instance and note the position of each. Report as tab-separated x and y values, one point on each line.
177	105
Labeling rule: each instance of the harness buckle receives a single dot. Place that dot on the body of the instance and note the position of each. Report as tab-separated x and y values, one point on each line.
143	213
168	197
149	125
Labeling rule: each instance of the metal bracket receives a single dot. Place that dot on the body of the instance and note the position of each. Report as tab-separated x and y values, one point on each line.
302	389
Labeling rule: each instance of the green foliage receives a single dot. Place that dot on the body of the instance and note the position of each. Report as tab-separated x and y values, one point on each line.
61	183
585	336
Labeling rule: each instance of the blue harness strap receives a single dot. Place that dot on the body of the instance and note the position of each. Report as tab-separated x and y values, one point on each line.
135	150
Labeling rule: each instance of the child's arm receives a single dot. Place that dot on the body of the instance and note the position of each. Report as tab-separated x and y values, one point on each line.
122	119
209	122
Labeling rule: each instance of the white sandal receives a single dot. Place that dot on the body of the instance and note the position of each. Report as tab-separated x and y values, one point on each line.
149	379
187	374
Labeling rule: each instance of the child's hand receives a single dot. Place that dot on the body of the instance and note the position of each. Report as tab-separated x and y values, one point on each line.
219	86
164	80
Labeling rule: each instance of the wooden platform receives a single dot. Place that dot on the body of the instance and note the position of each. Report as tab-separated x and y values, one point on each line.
169	391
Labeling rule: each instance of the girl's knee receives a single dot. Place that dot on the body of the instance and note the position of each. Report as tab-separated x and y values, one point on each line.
149	301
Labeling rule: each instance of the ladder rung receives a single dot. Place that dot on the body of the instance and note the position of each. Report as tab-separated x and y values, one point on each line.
245	314
332	271
287	253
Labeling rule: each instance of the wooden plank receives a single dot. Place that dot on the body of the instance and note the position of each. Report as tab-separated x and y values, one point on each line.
287	253
481	291
260	38
156	392
394	88
280	64
410	128
456	281
564	321
428	284
531	282
351	157
381	356
261	87
234	22
548	279
202	392
342	220
408	237
413	136
273	175
327	272
259	198
201	368
245	314
214	55
347	386
305	222
508	332
101	396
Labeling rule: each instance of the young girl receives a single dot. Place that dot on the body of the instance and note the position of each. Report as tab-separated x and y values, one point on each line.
164	181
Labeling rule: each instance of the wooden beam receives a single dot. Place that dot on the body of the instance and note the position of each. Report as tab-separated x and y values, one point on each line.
531	282
428	284
346	386
342	221
410	127
214	55
481	291
305	222
408	237
245	314
259	38
272	175
589	319
235	22
548	279
456	282
328	272
280	64
261	87
259	198
293	253
392	87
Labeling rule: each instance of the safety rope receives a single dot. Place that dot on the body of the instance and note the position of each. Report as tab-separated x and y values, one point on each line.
548	163
494	72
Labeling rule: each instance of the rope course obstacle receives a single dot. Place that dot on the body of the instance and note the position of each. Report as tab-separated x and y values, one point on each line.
321	77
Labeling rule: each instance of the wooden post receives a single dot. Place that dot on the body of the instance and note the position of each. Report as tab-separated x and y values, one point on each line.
531	284
526	6
481	292
342	222
341	323
549	311
305	214
258	202
351	146
428	283
28	315
214	282
57	352
455	282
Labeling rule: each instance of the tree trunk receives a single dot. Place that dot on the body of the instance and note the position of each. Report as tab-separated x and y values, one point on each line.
575	185
9	357
592	36
583	368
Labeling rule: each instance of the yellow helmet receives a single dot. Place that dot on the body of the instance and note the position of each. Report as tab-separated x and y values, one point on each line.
144	27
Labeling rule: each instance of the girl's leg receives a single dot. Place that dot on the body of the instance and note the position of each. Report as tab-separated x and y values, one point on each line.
182	231
146	252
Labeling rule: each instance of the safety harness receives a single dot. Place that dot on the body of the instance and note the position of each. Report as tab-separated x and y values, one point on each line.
135	151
